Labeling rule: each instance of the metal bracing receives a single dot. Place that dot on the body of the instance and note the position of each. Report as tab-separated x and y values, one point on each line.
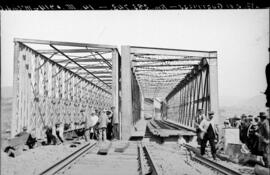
146	51
46	90
60	43
160	70
52	51
86	59
179	78
80	66
76	55
192	93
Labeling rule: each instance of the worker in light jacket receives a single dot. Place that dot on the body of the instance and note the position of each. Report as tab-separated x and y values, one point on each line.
102	126
208	133
90	122
58	131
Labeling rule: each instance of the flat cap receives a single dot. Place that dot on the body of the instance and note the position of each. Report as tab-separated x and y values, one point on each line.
211	113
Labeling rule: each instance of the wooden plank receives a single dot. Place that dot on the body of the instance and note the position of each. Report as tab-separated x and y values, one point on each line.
104	148
19	141
121	148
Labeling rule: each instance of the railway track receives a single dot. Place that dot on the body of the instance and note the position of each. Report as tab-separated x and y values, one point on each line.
212	164
168	159
88	160
147	163
67	161
137	158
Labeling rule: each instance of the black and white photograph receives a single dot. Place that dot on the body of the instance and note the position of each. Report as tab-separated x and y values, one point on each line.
156	92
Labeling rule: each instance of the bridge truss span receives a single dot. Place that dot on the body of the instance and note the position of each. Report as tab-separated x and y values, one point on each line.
54	80
182	81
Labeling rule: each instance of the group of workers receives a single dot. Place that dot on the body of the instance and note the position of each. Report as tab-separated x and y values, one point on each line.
254	133
99	125
54	134
96	125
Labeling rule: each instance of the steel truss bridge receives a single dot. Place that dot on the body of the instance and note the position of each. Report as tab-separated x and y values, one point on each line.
54	80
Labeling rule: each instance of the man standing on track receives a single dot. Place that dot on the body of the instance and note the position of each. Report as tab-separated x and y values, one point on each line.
198	121
264	138
102	127
115	126
90	122
109	125
208	134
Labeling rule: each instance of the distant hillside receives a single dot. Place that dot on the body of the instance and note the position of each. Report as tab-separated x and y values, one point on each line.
251	106
6	109
6	113
6	92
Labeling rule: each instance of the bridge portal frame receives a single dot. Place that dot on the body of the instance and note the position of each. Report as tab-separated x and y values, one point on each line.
209	62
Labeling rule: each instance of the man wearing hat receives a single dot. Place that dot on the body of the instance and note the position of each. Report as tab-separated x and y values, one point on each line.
198	120
264	135
227	124
90	122
102	127
209	132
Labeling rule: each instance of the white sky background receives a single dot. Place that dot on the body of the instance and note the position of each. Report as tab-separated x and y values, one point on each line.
241	38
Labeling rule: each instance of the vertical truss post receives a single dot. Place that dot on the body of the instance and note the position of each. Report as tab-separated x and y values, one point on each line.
213	82
115	87
126	104
142	105
15	90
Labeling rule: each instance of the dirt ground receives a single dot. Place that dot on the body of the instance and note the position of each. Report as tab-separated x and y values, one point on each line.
36	160
174	161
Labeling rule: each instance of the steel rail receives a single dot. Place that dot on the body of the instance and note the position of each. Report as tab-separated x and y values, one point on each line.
67	160
141	162
212	164
152	163
179	126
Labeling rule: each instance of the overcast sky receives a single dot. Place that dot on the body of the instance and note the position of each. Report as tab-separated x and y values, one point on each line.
241	38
